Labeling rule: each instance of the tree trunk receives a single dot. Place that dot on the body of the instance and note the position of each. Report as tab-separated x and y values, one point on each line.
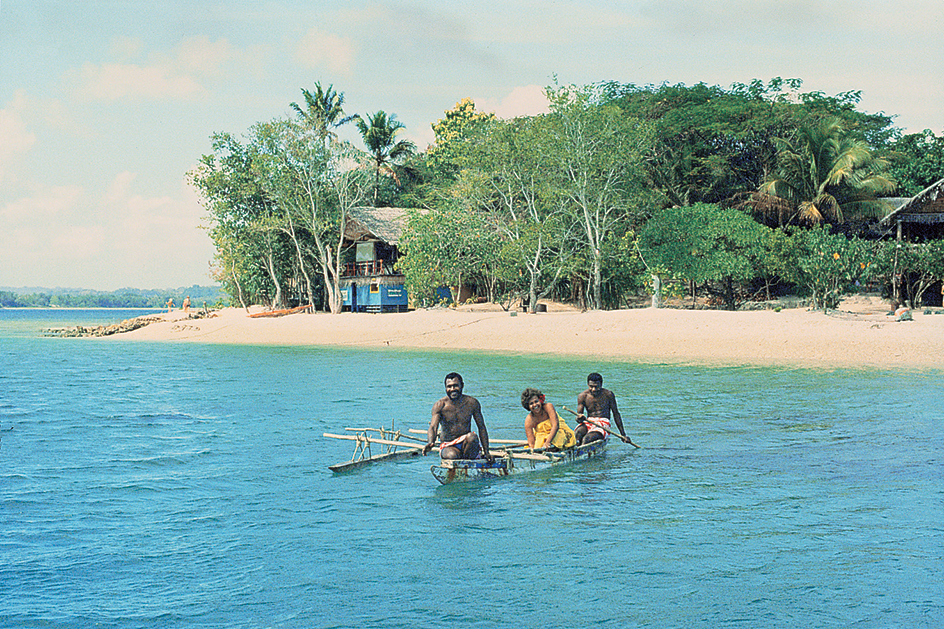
656	291
239	288
597	280
270	267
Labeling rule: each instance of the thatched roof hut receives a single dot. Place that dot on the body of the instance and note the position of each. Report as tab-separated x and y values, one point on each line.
385	224
922	214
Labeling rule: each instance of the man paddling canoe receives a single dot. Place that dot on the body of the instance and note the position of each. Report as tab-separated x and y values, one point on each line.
452	416
597	403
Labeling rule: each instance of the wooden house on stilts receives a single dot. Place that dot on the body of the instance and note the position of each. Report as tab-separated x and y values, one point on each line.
369	281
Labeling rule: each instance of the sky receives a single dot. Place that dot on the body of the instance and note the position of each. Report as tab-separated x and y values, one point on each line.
106	105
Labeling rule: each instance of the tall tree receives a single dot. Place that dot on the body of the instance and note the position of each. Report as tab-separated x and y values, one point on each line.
827	175
316	184
380	132
240	212
323	111
703	243
715	144
453	134
516	194
598	153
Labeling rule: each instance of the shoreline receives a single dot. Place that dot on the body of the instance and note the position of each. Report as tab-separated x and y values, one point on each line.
860	334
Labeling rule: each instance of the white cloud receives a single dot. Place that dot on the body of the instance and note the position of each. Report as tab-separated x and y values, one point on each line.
202	56
68	237
527	100
15	138
115	81
126	48
318	49
53	207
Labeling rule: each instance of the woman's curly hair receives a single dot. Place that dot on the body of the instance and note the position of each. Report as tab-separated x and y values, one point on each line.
529	393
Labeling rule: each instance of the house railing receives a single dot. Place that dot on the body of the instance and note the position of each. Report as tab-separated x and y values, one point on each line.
371	267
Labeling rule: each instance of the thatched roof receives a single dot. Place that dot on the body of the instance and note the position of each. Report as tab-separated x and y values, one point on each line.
925	207
376	223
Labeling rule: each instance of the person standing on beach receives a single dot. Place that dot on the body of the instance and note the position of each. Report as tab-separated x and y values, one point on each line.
594	407
170	305
187	304
452	416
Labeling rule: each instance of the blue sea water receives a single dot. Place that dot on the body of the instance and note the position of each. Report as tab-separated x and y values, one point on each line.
180	485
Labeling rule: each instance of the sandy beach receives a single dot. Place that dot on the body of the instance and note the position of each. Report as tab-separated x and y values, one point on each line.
860	333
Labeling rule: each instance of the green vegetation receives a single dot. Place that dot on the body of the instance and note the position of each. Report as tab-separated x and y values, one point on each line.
122	298
734	194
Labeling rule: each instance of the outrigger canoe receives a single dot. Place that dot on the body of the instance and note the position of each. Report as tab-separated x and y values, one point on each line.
389	444
387	441
512	461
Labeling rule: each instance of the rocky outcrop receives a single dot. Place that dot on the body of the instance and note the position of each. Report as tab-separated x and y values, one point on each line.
115	328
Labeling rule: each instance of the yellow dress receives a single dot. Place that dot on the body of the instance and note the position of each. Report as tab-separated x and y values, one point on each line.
564	438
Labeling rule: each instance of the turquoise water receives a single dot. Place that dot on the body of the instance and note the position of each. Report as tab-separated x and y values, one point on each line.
172	485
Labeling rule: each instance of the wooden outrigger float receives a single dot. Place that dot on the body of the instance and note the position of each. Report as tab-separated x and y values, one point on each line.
390	445
388	442
512	461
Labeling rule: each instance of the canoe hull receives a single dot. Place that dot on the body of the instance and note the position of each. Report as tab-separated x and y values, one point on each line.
512	462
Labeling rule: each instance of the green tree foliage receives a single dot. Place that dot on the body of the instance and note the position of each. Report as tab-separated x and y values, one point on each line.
453	133
443	246
829	265
596	153
323	112
704	243
380	132
279	201
717	144
509	183
918	161
826	175
250	256
122	298
910	269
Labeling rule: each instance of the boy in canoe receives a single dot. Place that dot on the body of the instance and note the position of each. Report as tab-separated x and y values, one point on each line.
593	412
452	416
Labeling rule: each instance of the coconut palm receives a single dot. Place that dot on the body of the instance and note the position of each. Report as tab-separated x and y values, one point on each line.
827	175
380	136
324	110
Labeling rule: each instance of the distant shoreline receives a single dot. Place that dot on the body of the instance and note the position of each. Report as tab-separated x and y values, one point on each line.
860	334
80	308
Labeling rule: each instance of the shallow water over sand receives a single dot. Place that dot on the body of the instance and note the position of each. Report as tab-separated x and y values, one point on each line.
172	485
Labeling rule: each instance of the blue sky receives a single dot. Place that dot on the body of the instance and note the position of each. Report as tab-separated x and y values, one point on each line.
104	106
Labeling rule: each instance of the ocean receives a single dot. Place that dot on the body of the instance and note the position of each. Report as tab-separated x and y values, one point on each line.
162	485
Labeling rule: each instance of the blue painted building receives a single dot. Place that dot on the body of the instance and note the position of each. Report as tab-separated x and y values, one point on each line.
369	281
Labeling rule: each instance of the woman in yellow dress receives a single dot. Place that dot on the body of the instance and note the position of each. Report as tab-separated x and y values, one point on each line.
543	426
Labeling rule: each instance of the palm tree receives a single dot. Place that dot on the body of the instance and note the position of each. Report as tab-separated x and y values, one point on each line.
324	110
380	136
826	174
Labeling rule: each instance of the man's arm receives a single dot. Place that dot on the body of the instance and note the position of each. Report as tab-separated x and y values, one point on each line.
433	430
581	406
483	432
616	416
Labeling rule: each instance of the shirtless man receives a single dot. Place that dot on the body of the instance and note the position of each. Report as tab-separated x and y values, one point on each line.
597	403
453	415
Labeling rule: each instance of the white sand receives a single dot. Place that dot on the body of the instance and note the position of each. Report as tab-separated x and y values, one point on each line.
859	334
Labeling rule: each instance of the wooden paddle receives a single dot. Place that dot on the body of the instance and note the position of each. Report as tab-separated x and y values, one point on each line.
612	432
